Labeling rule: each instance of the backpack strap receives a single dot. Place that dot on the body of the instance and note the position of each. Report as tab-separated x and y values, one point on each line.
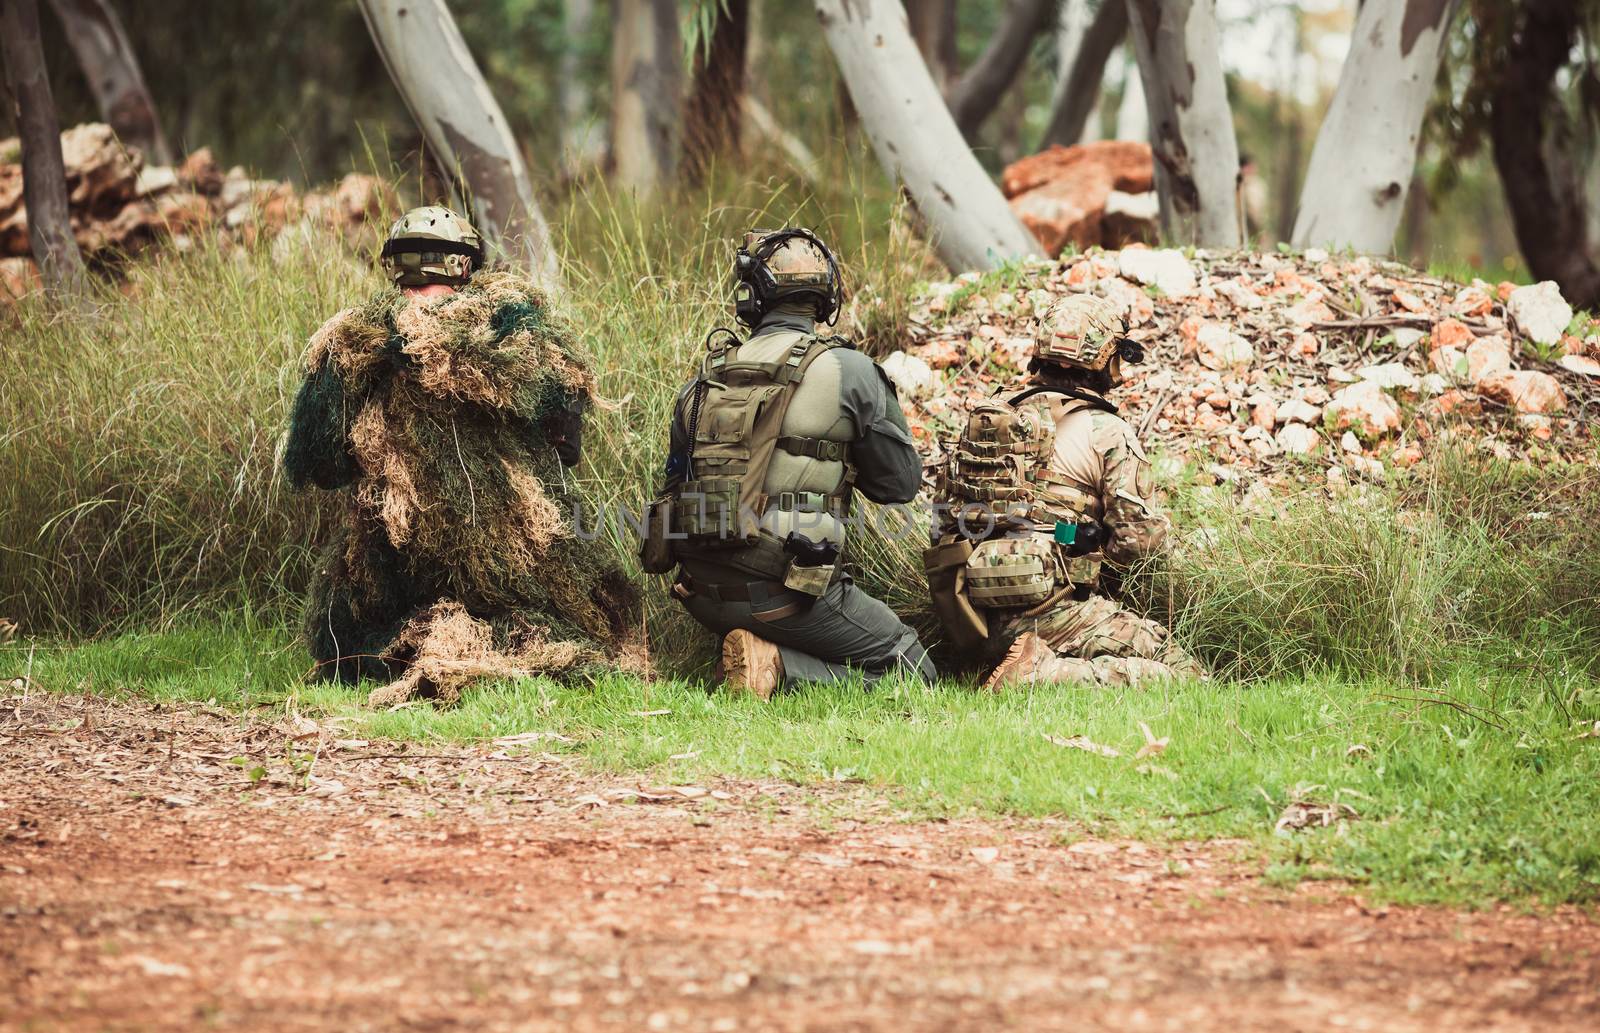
1088	397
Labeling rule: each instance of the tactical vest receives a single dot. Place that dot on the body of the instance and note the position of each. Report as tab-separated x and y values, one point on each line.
1021	518
735	416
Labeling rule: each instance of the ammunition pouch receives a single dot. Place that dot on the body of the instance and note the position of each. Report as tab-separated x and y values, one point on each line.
1011	573
655	551
946	567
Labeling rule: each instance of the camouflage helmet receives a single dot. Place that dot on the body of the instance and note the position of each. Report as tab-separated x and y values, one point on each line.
431	244
773	266
1083	331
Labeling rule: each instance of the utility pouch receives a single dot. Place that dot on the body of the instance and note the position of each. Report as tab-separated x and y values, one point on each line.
655	551
812	581
946	567
1008	573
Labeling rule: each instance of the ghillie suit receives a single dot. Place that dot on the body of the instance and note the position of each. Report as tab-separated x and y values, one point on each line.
448	418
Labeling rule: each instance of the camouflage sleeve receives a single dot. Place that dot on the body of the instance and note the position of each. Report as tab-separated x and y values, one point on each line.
1134	526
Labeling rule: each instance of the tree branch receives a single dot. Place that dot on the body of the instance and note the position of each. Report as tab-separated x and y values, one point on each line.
1080	84
974	96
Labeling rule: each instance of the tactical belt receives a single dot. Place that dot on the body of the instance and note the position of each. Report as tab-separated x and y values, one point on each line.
785	602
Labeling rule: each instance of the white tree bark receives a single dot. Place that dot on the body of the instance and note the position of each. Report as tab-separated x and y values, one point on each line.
436	74
1133	116
915	138
646	93
1361	165
101	46
1191	125
1072	30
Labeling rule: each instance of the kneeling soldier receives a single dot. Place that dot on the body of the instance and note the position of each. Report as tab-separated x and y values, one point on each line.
768	442
1047	503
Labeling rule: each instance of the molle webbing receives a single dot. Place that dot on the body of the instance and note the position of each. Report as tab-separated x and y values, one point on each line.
742	408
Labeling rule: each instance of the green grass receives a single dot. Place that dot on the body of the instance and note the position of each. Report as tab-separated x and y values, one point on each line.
1470	792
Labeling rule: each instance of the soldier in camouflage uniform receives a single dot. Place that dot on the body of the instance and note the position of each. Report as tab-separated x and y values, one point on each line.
1086	495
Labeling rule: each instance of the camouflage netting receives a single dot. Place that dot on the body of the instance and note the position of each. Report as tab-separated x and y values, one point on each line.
437	414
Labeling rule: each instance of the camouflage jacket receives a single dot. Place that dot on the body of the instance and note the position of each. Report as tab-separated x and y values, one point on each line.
1100	455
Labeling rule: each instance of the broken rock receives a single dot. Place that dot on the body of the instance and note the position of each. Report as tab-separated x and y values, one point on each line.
1364	408
1166	270
911	376
1487	358
1220	348
1526	391
1540	311
1298	440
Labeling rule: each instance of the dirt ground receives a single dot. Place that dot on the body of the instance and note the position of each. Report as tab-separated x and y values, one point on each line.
148	881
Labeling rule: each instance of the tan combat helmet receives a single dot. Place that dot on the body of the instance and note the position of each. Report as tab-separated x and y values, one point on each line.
432	244
1085	332
773	266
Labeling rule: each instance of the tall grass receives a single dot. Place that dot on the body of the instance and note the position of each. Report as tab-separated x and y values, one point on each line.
138	481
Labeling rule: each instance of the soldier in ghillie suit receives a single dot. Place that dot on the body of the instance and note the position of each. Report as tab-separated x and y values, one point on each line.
448	405
1049	502
769	442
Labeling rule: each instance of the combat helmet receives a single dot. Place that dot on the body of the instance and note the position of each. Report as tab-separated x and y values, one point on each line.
774	266
1084	332
432	244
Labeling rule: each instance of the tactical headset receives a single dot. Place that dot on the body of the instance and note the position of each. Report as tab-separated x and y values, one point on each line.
759	286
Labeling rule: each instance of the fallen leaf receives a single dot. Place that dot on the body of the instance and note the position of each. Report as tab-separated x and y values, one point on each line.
827	860
8	629
1081	742
1097	847
288	889
1592	732
590	800
685	756
1152	745
324	787
299	728
985	854
649	713
1358	749
1309	814
1157	769
523	738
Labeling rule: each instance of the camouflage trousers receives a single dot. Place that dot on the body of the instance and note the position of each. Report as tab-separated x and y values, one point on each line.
1098	642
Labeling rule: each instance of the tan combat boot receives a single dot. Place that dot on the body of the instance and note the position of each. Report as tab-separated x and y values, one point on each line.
751	664
1027	654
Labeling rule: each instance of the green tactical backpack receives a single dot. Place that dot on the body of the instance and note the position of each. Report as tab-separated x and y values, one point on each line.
735	418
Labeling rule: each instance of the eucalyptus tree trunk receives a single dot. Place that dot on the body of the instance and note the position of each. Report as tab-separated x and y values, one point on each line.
1355	187
1133	116
915	138
978	91
933	26
582	141
1083	66
1537	155
101	46
44	175
713	123
646	93
1191	125
451	103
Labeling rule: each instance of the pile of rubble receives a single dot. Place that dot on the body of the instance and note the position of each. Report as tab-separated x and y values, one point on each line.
1265	368
1099	194
120	206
